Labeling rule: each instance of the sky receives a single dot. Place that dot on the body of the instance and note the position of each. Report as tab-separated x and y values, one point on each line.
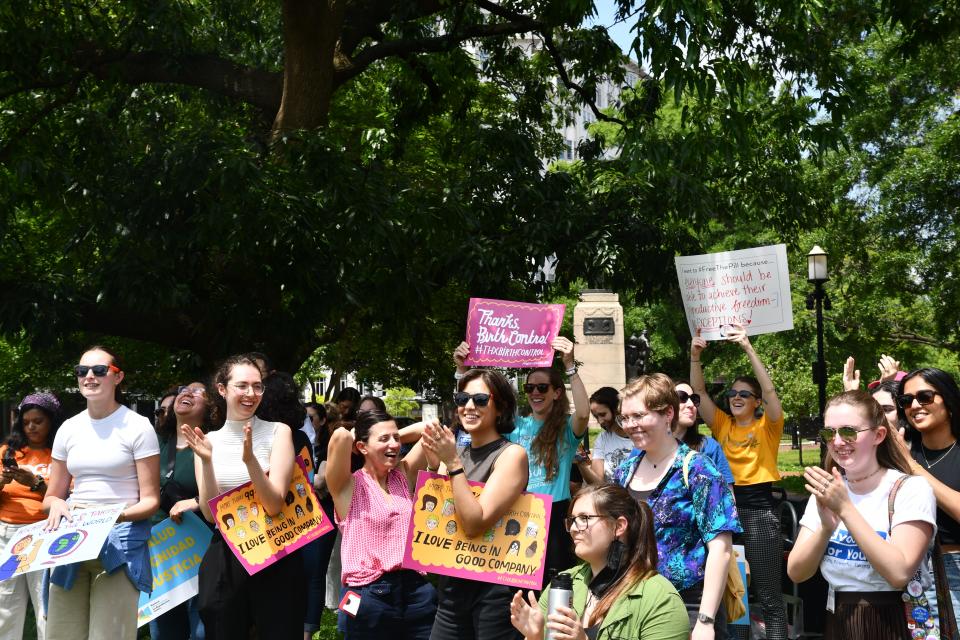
606	10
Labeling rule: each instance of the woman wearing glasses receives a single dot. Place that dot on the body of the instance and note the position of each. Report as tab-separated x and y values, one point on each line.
866	551
751	445
694	514
486	405
687	433
111	455
179	494
617	592
245	449
929	401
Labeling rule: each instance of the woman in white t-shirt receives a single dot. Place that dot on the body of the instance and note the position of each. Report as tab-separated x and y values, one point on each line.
612	446
111	455
866	554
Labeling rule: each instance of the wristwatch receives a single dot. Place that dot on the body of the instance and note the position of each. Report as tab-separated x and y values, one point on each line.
704	618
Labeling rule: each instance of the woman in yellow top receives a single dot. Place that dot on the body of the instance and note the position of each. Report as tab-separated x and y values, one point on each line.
751	445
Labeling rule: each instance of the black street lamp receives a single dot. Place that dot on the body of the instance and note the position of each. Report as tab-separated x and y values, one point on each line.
819	300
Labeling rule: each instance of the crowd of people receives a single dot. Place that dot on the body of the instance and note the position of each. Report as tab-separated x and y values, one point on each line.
642	526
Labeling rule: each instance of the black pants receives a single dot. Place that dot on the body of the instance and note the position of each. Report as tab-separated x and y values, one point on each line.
231	600
560	555
470	610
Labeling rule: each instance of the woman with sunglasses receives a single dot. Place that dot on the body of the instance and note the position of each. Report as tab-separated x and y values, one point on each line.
617	592
179	494
687	433
694	514
751	445
246	448
111	455
612	446
23	483
866	554
929	401
486	407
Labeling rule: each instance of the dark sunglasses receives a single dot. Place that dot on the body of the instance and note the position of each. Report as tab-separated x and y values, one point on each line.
542	387
743	393
847	434
925	396
461	398
99	370
692	397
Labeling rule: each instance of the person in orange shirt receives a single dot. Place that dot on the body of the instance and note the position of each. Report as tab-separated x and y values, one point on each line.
23	483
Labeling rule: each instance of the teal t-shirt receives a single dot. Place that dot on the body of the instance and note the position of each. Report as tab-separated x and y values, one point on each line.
558	487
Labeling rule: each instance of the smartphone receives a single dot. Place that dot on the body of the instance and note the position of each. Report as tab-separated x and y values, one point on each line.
10	463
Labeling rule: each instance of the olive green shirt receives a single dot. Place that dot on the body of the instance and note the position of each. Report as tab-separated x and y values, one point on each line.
651	610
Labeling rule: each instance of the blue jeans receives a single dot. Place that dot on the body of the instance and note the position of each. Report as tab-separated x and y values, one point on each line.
951	562
400	605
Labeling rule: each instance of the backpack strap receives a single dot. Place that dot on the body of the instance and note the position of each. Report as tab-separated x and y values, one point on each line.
891	498
686	467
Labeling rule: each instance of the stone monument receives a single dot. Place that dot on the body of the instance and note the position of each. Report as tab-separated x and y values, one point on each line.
598	330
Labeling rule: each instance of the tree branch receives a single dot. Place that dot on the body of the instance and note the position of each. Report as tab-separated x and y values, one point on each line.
49	108
588	97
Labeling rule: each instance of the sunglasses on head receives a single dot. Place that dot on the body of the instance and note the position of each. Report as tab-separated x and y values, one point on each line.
743	393
461	398
99	370
924	396
847	434
542	387
692	397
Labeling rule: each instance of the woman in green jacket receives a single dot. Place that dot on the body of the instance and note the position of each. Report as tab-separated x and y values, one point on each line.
617	592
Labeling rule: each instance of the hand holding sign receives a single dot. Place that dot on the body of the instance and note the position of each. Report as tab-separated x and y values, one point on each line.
565	347
460	354
736	334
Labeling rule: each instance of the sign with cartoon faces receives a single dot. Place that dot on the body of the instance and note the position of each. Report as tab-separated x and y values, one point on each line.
257	539
511	552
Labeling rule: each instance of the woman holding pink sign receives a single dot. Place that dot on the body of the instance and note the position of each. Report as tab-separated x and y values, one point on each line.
244	450
373	507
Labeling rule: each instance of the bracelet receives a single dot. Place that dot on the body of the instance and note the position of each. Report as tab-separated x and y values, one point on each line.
455	472
572	371
457	375
692	360
429	469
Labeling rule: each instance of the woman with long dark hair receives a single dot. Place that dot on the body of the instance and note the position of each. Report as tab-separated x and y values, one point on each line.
23	483
486	408
617	592
111	455
928	400
866	553
612	446
751	442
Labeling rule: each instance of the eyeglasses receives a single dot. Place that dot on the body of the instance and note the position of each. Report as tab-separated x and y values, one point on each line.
194	391
245	388
692	397
99	370
924	397
542	387
461	398
580	522
626	421
743	393
847	433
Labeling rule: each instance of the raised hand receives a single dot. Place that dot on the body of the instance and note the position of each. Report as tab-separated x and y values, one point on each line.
525	615
460	354
198	441
565	347
889	366
247	455
851	375
439	443
697	345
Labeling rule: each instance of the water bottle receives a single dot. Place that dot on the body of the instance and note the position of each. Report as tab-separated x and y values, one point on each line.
561	595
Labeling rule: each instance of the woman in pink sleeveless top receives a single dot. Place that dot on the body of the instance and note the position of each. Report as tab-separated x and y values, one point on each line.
373	506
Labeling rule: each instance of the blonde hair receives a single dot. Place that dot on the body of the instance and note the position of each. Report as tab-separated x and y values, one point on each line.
657	391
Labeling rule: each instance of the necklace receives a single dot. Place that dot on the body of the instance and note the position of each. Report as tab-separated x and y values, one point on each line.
869	475
669	456
938	460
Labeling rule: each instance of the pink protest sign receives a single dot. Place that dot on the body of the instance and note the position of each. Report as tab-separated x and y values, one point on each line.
511	552
511	334
257	539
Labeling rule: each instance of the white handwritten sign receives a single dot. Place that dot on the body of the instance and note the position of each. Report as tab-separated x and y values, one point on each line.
749	287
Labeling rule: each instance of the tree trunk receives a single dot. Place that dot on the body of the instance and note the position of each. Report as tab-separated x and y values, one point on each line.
311	31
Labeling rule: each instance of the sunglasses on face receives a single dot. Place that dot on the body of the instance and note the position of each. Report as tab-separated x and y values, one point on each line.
743	393
692	397
542	387
847	433
924	397
99	370
461	398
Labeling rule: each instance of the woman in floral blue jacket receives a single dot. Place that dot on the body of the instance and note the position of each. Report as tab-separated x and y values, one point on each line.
693	508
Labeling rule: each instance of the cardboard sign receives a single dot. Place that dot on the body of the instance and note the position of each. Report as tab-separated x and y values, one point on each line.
749	287
512	552
175	554
259	540
32	548
511	334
